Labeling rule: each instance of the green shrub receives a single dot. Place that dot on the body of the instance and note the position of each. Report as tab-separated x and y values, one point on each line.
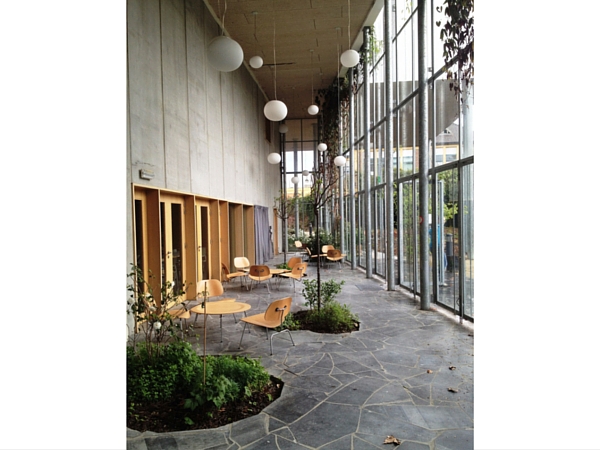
290	323
227	378
333	318
329	289
160	372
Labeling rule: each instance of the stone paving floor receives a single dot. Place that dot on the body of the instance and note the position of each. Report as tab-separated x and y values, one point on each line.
350	391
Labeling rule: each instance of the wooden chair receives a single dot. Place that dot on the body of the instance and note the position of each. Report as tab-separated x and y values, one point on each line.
241	263
296	274
299	248
293	261
272	318
334	255
228	276
214	289
260	274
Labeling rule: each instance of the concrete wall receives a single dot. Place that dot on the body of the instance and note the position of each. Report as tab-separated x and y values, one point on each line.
199	130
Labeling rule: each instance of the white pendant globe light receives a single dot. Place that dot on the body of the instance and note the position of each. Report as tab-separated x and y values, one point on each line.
322	147
274	158
256	62
283	128
305	172
295	179
313	109
275	110
339	160
224	54
350	58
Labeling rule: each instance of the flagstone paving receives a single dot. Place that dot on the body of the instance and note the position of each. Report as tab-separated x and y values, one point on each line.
348	391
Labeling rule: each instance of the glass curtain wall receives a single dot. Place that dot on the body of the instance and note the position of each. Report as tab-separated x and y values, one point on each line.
300	156
451	138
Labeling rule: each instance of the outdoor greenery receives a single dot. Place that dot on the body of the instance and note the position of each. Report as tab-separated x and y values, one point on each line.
150	310
285	207
332	317
458	36
165	375
175	378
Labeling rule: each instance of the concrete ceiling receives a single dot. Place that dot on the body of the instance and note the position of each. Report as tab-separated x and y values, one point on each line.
295	27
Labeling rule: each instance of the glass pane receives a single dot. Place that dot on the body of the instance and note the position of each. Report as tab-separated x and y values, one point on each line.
379	244
360	242
449	289
294	130
177	242
468	221
406	224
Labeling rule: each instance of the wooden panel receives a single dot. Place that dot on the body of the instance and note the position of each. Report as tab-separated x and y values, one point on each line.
190	245
154	246
215	252
226	256
236	230
250	240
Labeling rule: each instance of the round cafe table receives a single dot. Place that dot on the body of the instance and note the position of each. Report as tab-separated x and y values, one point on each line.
220	308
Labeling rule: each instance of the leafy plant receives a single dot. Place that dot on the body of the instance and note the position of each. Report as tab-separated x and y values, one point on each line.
158	375
329	289
151	311
227	379
333	318
458	35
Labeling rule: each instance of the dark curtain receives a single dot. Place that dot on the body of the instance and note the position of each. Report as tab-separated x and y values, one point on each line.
263	235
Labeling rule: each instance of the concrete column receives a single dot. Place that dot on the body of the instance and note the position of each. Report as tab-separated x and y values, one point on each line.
367	127
423	157
389	130
352	178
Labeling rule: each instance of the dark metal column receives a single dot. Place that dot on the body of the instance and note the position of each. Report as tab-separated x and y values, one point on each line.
423	157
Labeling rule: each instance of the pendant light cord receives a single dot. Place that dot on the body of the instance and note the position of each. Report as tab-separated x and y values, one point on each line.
274	55
348	24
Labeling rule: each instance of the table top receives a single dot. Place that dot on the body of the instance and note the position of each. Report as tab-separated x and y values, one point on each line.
221	308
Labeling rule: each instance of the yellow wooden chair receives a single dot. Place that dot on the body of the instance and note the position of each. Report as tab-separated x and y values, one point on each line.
296	274
228	276
334	255
272	318
260	274
214	288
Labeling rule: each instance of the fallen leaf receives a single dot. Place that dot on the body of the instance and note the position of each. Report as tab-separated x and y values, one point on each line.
429	371
453	389
452	368
391	440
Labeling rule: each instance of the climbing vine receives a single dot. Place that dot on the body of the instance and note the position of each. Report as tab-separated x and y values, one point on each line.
458	36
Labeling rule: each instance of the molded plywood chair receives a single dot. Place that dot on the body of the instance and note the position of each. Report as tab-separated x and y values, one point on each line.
334	255
300	250
180	312
228	276
241	263
293	261
272	318
296	274
214	289
326	248
260	274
